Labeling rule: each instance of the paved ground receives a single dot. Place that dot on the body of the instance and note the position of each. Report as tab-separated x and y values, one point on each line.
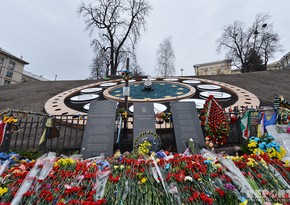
31	96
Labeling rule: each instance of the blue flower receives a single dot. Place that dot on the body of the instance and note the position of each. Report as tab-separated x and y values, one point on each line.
160	154
274	145
252	138
207	161
167	166
243	200
103	164
4	156
269	137
256	139
263	146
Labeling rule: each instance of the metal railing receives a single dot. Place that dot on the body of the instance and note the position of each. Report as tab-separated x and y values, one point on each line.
65	133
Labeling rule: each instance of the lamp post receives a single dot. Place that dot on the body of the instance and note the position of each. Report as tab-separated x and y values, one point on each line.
256	33
181	71
256	53
126	74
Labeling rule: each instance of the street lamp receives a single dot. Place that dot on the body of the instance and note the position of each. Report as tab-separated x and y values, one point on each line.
256	32
255	53
264	25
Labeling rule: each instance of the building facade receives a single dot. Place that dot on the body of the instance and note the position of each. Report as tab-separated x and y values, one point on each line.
28	76
283	63
11	68
214	68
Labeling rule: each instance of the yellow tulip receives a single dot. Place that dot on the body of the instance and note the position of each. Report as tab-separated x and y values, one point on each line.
3	190
143	180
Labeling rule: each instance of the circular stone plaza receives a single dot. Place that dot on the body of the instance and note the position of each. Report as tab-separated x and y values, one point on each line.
70	101
76	101
48	96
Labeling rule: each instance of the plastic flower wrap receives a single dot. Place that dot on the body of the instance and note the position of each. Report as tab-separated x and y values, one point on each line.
282	169
265	144
47	181
263	179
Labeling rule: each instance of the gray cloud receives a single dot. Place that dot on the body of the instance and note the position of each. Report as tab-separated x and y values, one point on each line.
50	35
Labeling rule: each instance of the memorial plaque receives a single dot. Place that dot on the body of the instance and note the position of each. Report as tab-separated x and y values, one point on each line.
186	125
99	131
144	118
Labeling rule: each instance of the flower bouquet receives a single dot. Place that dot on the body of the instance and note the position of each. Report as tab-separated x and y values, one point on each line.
265	144
269	187
160	178
49	180
280	167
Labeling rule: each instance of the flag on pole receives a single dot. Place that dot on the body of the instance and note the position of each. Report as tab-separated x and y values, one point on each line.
2	131
48	124
245	125
261	125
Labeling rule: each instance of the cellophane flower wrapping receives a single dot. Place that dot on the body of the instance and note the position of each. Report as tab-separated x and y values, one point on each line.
158	178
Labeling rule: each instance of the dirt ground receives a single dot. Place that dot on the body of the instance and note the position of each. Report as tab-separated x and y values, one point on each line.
31	96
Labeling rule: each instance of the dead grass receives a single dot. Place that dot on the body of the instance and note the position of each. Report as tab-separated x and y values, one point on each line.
31	96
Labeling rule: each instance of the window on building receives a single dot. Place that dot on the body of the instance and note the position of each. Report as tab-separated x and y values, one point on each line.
7	82
11	65
9	74
1	60
0	70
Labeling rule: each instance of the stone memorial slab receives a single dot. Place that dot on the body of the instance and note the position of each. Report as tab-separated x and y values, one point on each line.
144	118
99	132
186	125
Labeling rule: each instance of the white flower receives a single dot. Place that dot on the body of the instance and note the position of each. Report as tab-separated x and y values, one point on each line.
188	178
170	157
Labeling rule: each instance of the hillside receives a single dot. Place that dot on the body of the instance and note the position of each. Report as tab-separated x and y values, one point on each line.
31	96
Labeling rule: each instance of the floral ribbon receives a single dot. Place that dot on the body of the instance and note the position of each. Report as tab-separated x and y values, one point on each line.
8	119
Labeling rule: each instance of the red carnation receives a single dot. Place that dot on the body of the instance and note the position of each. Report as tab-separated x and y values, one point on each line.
220	191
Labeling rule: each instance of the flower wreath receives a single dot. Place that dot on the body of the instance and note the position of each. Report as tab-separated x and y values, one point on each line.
126	74
215	122
148	141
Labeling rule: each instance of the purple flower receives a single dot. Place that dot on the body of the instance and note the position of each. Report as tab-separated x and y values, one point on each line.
230	186
48	186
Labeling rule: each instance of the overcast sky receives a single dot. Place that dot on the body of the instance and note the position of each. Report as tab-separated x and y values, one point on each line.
51	37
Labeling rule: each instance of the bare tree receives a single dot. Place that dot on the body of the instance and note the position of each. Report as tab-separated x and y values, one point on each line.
135	68
118	25
165	58
250	48
100	63
98	68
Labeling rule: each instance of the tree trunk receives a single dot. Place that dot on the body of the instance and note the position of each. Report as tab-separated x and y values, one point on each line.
113	70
